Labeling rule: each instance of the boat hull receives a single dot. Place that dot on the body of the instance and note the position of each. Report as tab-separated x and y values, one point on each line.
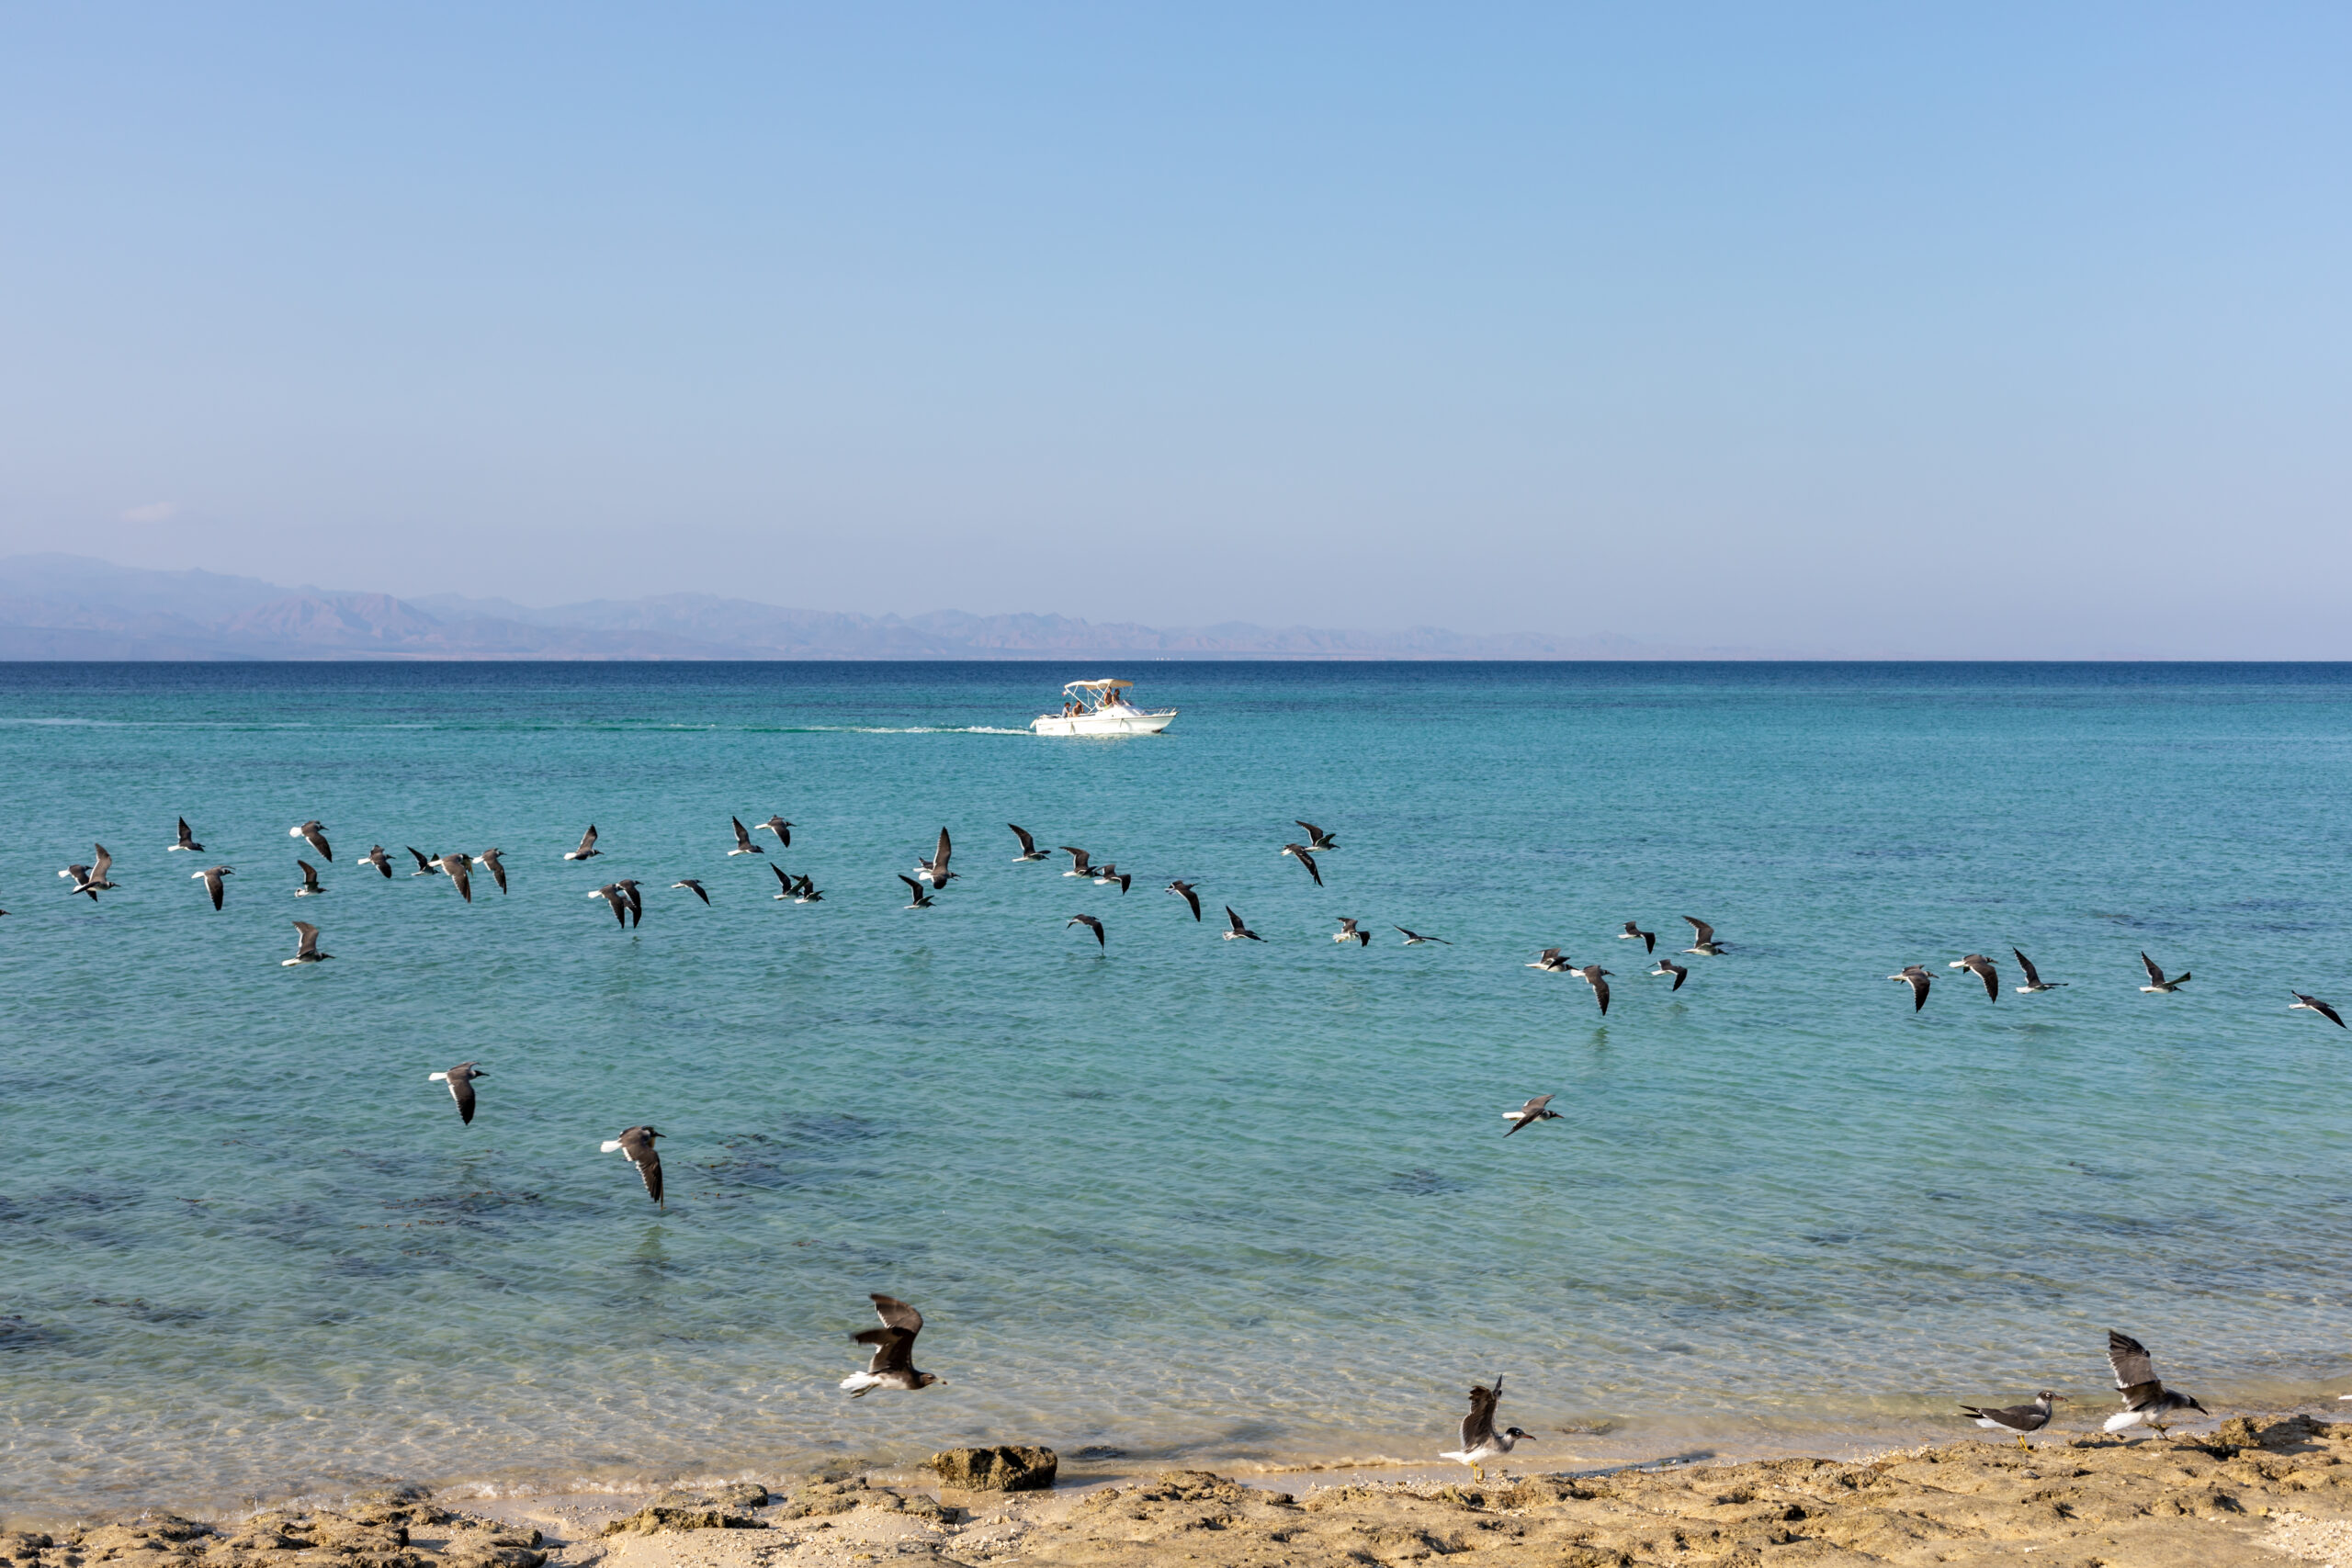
1133	722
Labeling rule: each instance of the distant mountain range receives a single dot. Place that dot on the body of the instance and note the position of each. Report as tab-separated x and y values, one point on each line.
75	607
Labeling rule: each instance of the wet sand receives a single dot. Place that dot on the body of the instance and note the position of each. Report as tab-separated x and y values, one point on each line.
2252	1491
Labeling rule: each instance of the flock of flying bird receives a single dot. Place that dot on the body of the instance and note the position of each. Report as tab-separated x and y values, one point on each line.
2146	1401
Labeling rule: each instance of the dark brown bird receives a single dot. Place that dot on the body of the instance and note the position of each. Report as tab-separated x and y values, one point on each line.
636	1144
893	1365
1634	932
489	861
1305	858
211	876
459	868
1185	891
1918	979
377	858
2301	1003
1091	923
460	1079
315	836
1983	968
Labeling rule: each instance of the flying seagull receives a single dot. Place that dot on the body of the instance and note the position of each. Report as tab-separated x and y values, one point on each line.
91	878
1109	875
211	876
587	849
312	834
806	892
460	1079
695	887
2312	1004
636	1144
628	887
1668	967
780	827
309	888
1350	931
1703	941
784	882
377	858
425	865
2146	1401
1079	861
1480	1441
1551	963
1307	859
2015	1419
1317	838
1185	890
893	1365
187	840
1239	931
1414	939
923	900
307	950
79	875
1029	850
934	870
1634	932
743	845
2156	981
1918	979
1530	1114
1091	923
2033	980
497	869
1593	974
1982	967
457	866
613	894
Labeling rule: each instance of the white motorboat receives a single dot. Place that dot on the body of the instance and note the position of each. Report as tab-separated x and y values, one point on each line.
1101	707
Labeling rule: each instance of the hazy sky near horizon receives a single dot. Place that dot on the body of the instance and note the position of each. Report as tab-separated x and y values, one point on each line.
1994	329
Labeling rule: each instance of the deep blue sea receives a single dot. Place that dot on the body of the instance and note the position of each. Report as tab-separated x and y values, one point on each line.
1187	1198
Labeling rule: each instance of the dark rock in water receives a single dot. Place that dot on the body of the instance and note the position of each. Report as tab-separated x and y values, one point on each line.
999	1468
722	1508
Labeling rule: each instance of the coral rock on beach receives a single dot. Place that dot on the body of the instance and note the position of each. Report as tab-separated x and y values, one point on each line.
727	1507
999	1468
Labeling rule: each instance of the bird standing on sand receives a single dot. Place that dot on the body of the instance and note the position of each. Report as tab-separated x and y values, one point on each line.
1029	850
1317	838
1480	1441
934	870
459	868
780	827
1305	858
309	888
893	1365
2033	980
377	858
1593	974
1091	923
460	1079
1634	932
692	887
1918	979
1668	967
587	849
1185	891
1350	931
636	1144
743	845
2312	1004
1530	1114
306	951
489	860
1703	941
2015	1420
1982	967
211	876
187	839
921	899
1415	939
1239	931
313	835
2146	1401
2156	981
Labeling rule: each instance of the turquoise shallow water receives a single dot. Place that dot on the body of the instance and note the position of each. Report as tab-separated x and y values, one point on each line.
1194	1198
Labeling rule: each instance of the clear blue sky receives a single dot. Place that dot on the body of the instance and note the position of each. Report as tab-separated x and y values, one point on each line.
1988	330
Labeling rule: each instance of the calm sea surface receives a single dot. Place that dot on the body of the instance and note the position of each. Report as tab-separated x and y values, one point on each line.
1191	1198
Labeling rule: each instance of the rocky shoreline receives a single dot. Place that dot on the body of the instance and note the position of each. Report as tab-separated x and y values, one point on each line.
2255	1491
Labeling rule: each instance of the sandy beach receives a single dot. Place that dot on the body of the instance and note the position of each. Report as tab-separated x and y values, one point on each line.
2252	1491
